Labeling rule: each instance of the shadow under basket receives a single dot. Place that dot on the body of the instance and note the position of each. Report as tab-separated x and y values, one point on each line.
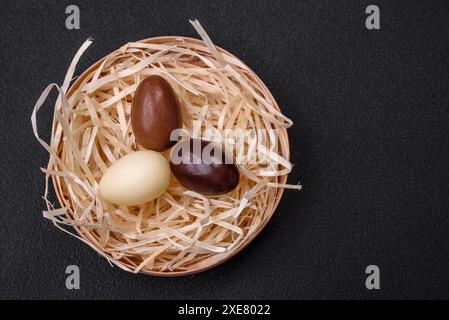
180	233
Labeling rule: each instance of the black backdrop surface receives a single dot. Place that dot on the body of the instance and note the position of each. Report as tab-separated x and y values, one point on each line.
370	145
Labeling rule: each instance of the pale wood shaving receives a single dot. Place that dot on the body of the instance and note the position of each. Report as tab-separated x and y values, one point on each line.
181	231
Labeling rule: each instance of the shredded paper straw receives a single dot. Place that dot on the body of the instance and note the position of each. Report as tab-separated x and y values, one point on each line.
181	231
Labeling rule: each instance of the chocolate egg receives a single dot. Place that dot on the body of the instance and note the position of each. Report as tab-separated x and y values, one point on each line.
155	113
203	167
136	178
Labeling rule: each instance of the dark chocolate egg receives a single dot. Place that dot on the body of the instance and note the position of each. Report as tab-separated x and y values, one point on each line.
203	167
155	113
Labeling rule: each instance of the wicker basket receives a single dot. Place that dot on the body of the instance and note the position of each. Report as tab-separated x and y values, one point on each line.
272	200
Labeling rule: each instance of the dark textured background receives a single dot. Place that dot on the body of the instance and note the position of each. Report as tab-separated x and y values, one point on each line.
370	144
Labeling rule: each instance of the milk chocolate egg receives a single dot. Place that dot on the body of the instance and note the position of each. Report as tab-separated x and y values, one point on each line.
155	113
203	167
136	178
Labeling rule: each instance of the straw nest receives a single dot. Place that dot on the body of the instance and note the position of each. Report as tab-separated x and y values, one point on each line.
181	232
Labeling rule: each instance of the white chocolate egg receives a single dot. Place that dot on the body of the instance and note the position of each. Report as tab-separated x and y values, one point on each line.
136	178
